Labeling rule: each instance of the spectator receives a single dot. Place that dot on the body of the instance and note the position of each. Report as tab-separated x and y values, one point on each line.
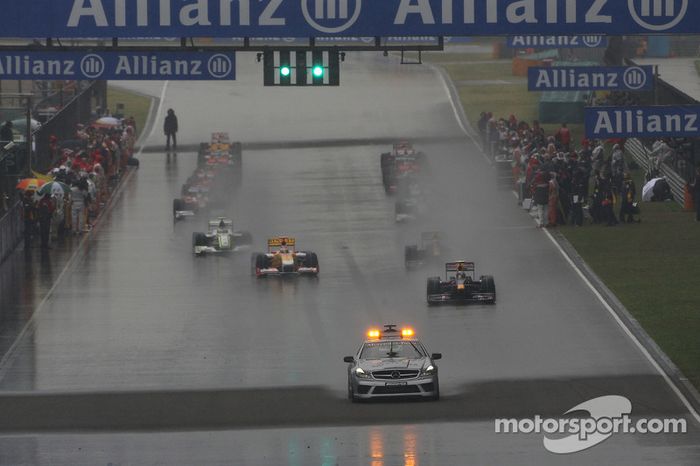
29	216
563	136
553	201
579	190
170	128
45	209
627	195
6	134
79	194
540	196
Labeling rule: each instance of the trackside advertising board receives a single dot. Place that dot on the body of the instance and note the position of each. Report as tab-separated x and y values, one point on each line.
591	78
368	18
118	65
557	42
642	122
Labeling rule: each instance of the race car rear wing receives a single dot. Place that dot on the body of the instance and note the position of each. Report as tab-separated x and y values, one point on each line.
220	138
277	243
460	266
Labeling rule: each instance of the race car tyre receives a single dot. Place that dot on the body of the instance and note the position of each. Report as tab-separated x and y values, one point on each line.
433	286
258	261
177	206
133	162
199	239
488	285
311	261
410	254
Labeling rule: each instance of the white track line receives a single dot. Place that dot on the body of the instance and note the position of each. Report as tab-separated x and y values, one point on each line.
602	300
8	357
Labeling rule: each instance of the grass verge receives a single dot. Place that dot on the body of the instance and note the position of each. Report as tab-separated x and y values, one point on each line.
652	267
135	105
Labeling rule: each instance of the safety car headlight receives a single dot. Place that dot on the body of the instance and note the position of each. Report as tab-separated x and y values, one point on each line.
360	373
430	370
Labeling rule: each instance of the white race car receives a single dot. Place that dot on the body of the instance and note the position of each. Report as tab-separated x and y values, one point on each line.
221	238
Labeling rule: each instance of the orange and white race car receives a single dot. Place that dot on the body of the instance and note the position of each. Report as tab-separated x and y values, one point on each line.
283	259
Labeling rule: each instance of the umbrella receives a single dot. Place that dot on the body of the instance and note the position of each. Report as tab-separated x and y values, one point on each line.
107	122
30	184
656	190
54	188
20	125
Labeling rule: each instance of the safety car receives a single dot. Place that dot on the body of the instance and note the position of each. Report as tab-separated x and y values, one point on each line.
282	259
220	238
461	285
392	363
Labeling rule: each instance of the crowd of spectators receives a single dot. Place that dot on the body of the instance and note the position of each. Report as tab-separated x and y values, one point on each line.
560	181
87	166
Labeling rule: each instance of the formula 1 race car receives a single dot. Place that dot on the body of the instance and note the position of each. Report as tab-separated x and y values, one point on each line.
431	249
221	238
460	286
190	204
392	363
222	154
283	259
402	160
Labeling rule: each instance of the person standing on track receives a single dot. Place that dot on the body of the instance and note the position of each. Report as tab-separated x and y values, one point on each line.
170	128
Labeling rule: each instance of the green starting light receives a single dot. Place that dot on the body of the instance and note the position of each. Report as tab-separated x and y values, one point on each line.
285	71
317	71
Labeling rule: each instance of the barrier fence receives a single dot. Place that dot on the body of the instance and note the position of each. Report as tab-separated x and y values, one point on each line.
11	229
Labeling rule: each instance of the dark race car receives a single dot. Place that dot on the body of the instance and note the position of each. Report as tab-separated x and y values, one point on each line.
402	160
460	286
432	249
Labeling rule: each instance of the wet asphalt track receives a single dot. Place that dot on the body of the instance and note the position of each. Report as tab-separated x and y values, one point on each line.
141	337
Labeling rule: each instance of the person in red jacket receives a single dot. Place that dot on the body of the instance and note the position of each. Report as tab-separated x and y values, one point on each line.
563	136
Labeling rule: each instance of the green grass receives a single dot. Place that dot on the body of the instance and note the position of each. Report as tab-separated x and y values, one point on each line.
135	105
652	267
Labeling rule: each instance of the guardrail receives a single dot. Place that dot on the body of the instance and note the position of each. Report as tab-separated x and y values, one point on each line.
641	155
11	227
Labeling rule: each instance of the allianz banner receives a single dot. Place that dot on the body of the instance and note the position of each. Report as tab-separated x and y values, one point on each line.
642	122
118	65
591	78
367	18
557	42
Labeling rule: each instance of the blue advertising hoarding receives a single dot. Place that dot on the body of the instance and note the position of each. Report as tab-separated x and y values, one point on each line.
118	65
591	78
557	42
643	122
368	18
